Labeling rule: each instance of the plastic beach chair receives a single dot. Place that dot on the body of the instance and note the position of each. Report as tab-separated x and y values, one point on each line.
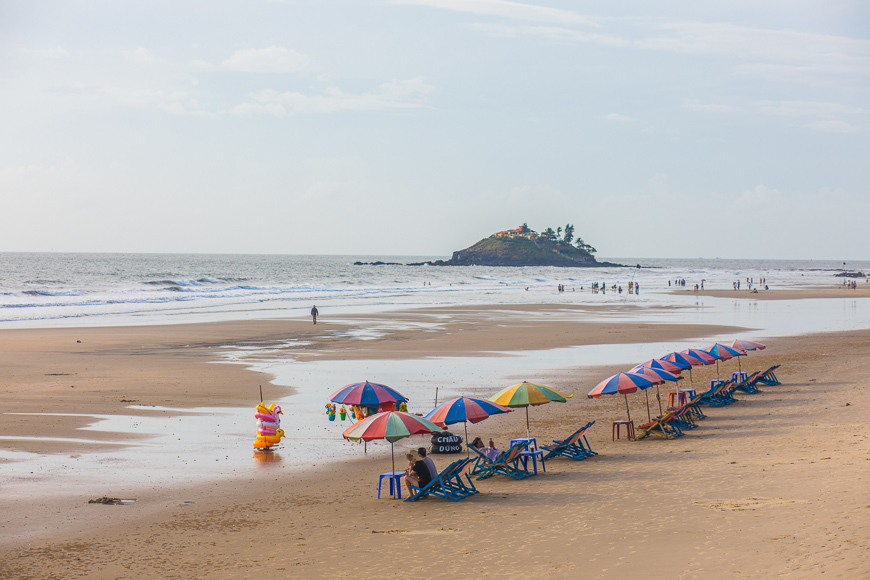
661	427
574	447
507	463
768	378
447	484
718	395
747	385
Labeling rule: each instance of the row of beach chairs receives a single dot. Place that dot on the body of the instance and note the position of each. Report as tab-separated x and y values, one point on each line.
454	482
685	417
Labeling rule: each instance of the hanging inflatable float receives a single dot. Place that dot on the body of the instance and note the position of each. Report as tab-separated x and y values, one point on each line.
269	432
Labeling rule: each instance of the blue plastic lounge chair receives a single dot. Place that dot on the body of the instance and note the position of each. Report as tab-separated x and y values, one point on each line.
507	463
574	447
660	427
768	378
447	484
747	385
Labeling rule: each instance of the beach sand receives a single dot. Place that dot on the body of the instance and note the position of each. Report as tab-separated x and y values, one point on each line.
774	485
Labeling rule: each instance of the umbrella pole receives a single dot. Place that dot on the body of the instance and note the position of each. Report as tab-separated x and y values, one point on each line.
528	430
691	378
648	414
659	397
467	450
739	366
627	410
365	446
261	394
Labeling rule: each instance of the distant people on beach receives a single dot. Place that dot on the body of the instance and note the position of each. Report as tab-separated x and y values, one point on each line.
314	313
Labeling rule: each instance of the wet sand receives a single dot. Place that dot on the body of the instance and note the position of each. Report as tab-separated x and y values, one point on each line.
862	291
772	485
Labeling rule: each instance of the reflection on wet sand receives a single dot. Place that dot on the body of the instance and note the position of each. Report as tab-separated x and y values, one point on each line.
264	456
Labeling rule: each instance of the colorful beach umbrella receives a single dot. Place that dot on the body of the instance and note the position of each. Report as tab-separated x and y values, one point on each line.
526	394
621	384
660	374
679	360
721	352
464	410
703	357
391	426
367	394
746	346
659	364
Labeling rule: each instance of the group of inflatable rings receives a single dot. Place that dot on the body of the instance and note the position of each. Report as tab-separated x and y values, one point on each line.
269	432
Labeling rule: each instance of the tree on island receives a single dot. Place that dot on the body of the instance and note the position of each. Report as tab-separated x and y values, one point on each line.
569	234
584	247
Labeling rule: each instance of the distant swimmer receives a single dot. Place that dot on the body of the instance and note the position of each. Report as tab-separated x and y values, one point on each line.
314	314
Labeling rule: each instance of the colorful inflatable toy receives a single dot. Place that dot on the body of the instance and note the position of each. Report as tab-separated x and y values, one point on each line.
269	432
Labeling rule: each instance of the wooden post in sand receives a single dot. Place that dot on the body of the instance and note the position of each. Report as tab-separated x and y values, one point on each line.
261	394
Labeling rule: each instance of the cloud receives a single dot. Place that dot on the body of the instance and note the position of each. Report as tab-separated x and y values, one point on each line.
504	9
141	54
805	108
798	54
833	126
400	94
56	52
274	59
755	199
616	117
694	105
817	115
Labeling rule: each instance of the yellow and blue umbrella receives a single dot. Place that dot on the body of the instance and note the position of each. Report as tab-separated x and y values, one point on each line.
526	394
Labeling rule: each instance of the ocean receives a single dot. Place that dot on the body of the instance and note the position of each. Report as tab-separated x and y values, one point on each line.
57	289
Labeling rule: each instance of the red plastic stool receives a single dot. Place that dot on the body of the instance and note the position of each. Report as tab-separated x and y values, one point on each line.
676	399
629	429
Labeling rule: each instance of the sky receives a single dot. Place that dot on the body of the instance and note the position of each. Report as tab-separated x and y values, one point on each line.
659	129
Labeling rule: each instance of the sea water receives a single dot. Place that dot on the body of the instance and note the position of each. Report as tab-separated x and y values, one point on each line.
53	289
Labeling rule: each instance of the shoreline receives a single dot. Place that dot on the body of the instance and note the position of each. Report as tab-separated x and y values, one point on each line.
227	507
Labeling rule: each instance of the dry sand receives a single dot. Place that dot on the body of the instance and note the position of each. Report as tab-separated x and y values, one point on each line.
774	485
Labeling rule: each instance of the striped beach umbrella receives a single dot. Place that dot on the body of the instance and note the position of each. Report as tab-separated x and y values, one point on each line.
703	357
745	346
721	352
391	426
526	394
662	375
464	410
621	384
367	394
659	364
679	360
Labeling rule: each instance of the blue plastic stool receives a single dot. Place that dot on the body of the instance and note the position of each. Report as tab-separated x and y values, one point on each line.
395	478
533	455
739	377
533	443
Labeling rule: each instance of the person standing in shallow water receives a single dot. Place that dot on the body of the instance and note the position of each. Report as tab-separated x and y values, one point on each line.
314	314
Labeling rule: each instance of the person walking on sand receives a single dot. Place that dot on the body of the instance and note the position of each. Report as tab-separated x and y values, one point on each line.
314	314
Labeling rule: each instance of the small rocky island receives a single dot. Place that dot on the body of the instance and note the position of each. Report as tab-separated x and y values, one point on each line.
525	247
